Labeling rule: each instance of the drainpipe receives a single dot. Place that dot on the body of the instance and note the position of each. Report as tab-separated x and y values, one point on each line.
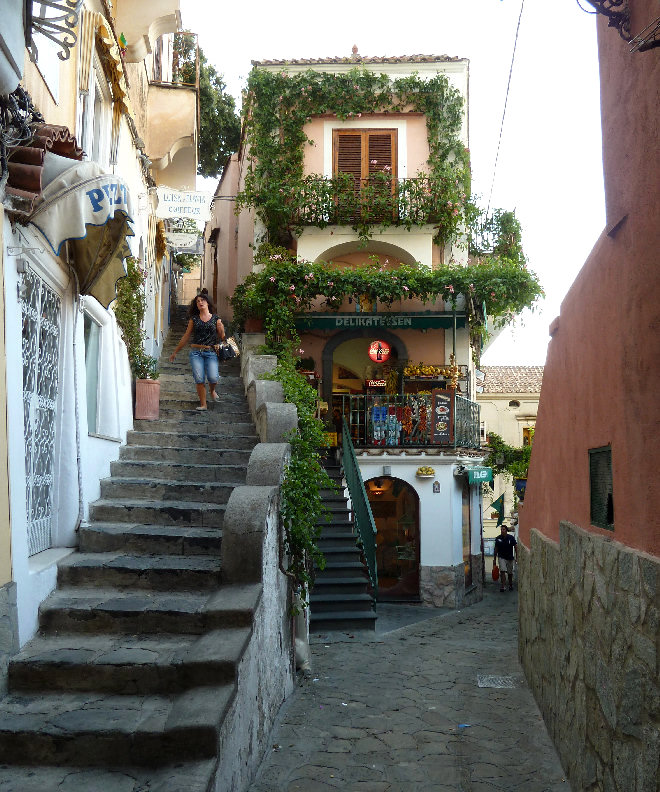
76	310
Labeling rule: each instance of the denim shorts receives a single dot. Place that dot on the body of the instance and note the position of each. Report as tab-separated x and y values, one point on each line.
204	361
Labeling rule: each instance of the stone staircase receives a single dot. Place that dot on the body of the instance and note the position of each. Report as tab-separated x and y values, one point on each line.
126	684
341	598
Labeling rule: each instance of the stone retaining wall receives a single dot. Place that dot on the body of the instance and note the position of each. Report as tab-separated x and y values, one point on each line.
8	630
444	587
588	642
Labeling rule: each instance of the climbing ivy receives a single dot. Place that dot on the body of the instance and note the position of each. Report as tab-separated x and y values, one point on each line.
277	107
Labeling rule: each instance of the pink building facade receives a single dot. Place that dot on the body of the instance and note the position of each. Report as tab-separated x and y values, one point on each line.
589	527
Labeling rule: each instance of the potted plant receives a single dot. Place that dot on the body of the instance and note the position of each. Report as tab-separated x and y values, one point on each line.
129	309
147	388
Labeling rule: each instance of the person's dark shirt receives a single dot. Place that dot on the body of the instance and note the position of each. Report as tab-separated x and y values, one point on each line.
504	547
205	332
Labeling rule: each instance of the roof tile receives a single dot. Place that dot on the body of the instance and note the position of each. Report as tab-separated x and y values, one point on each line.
512	379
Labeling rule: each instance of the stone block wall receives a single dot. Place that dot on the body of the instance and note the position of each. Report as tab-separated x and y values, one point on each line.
444	587
8	630
589	642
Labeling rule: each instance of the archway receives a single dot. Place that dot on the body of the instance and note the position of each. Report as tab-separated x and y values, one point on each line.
399	350
395	506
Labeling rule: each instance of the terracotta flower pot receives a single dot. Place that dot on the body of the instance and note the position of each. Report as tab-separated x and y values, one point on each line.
147	399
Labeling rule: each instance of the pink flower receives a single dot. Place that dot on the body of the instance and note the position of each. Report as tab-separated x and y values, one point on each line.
272	279
405	288
301	351
387	168
374	162
492	294
331	283
472	287
450	288
292	288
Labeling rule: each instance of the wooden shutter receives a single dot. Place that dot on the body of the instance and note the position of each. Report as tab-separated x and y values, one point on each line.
356	149
348	153
381	147
363	152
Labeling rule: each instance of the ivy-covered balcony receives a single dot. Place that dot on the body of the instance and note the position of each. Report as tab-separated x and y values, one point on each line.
379	199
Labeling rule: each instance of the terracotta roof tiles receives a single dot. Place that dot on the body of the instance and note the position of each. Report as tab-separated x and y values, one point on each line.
26	165
512	379
359	59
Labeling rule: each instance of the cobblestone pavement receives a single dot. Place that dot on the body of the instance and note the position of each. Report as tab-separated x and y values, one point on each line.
434	701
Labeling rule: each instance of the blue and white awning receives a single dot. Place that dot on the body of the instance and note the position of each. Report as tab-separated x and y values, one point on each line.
93	210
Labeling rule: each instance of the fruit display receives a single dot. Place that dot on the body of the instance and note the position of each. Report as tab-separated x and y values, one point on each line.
425	470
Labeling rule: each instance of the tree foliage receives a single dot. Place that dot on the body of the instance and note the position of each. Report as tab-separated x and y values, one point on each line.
220	126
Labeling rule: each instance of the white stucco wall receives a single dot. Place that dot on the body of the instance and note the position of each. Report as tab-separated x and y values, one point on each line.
35	576
440	513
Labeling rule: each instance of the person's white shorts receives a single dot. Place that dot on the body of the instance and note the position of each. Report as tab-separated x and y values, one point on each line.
506	565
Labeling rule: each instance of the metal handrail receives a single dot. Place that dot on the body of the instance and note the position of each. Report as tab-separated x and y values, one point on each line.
364	519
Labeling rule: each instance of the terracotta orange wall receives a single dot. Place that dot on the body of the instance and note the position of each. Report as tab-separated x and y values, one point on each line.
601	383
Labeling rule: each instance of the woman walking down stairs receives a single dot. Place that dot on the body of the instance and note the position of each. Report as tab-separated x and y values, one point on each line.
135	665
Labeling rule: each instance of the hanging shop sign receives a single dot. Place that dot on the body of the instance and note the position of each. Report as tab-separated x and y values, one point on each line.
183	203
425	320
380	383
479	475
379	351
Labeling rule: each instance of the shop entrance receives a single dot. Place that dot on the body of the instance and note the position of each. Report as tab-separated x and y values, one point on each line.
395	507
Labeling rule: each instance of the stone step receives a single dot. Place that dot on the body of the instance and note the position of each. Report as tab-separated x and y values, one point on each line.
337	585
97	610
342	620
229	427
154	572
175	380
216	439
149	539
154	512
343	553
237	411
191	776
337	539
185	455
173	471
167	490
323	603
127	664
79	728
339	569
339	518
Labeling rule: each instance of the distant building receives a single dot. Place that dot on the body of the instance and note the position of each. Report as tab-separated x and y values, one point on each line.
509	398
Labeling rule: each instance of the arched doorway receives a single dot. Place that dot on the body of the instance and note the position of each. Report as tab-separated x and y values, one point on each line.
350	340
395	506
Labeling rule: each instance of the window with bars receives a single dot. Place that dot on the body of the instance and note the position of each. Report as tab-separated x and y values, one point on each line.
600	487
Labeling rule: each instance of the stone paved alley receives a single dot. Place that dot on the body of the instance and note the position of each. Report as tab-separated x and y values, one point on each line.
434	701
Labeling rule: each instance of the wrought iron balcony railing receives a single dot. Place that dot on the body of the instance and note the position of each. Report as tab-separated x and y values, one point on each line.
412	420
345	200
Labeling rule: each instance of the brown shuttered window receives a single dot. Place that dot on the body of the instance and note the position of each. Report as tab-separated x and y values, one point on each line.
363	153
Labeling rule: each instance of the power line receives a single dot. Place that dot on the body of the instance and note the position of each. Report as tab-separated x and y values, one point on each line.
506	99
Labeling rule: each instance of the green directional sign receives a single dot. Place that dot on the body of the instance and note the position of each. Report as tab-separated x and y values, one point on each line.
479	475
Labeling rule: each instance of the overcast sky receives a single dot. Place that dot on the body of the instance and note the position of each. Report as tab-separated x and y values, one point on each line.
549	168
